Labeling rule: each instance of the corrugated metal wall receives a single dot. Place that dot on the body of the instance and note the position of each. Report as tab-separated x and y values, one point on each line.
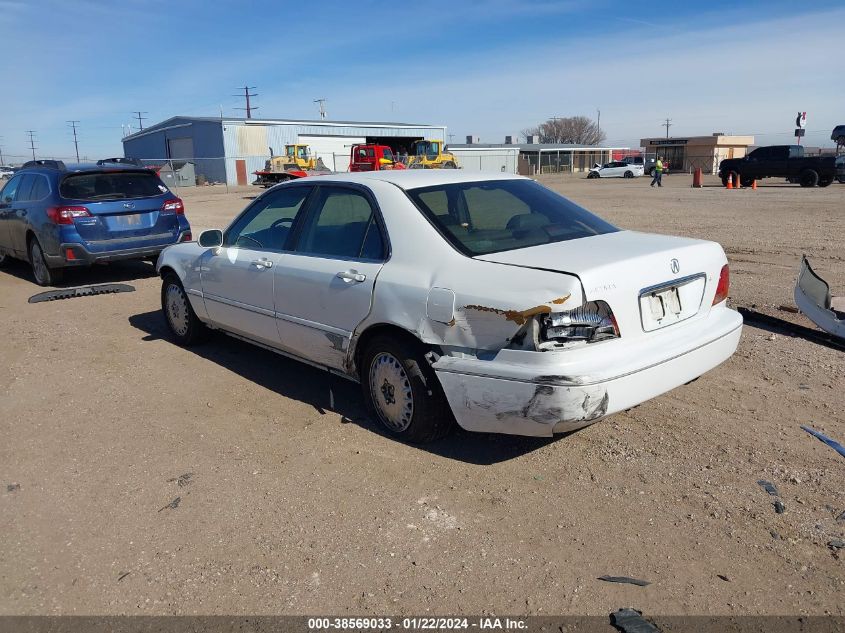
501	160
243	141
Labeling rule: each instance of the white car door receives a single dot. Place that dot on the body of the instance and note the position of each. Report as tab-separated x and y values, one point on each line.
324	288
238	277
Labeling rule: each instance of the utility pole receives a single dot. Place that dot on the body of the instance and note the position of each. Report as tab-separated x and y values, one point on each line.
249	108
1	153
75	141
451	136
667	125
322	103
138	115
598	125
32	142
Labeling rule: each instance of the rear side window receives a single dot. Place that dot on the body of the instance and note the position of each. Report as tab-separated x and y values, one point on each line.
500	215
343	224
25	187
115	185
40	188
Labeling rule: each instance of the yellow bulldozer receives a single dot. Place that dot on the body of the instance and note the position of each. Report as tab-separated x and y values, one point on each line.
430	155
296	162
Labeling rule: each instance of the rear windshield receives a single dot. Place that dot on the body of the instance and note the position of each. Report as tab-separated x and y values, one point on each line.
115	185
501	215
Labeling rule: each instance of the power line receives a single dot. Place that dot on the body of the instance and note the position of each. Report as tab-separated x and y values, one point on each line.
322	103
75	140
138	115
667	125
32	142
248	107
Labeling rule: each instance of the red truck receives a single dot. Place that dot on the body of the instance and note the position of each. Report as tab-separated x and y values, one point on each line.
370	157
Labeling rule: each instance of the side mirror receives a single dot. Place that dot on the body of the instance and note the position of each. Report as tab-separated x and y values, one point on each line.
211	239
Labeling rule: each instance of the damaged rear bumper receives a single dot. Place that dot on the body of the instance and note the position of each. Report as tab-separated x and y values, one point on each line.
542	393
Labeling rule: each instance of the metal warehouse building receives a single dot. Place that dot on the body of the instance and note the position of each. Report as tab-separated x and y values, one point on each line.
230	150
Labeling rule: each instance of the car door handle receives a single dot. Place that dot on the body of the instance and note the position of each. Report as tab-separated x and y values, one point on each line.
351	275
262	263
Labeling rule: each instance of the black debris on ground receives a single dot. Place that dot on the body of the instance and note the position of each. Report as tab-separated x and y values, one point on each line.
13	487
172	505
182	480
82	291
632	621
625	580
723	577
836	543
123	575
769	487
779	507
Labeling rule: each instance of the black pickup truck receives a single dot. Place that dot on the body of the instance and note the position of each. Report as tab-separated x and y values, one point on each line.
784	161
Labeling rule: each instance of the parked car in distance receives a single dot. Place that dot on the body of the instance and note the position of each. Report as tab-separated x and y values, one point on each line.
648	163
6	172
783	161
486	297
57	216
616	169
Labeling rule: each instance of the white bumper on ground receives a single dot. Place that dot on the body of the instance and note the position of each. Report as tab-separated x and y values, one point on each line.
542	393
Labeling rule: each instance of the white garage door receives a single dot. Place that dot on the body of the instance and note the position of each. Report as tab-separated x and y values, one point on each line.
334	150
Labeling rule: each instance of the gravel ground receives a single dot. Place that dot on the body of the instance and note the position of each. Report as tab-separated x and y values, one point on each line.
139	477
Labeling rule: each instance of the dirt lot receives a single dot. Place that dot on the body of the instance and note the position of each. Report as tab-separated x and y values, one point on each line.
225	479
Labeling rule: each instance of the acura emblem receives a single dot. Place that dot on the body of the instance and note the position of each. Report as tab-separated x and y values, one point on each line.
128	205
675	266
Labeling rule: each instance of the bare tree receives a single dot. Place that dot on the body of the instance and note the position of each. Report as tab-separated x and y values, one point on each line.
577	130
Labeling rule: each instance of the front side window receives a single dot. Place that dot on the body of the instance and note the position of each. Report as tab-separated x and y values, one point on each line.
501	215
266	225
11	189
342	225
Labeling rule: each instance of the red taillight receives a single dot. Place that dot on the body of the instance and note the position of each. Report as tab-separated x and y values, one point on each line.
186	237
174	205
66	215
724	285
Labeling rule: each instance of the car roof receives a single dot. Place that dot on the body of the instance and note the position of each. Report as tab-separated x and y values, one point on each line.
72	168
415	178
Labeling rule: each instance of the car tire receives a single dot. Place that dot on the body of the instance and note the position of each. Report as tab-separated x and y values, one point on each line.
44	275
808	178
841	179
825	182
4	259
629	174
402	391
181	319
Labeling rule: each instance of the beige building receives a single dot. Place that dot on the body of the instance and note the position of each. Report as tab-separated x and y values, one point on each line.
685	154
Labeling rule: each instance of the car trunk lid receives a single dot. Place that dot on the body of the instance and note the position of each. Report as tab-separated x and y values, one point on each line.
123	205
649	281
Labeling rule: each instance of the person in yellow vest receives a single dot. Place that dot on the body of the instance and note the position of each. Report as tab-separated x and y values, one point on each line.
658	173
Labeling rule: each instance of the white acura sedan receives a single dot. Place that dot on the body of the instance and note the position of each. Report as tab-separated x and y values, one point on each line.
485	299
616	169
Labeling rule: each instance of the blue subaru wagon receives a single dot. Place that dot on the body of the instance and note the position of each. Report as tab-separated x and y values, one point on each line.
57	216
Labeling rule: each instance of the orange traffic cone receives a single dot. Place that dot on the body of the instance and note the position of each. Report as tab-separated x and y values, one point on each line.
754	185
730	184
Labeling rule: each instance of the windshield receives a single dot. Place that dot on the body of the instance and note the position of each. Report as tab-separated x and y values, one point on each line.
500	215
426	148
113	185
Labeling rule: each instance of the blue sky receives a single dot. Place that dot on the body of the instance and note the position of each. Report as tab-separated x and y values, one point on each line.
486	67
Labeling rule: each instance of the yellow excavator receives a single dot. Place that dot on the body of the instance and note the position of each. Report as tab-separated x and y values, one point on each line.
430	155
296	162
